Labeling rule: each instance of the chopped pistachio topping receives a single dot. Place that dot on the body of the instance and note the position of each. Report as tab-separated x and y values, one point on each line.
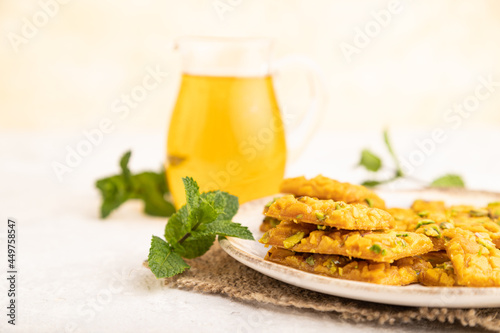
339	205
424	222
401	235
446	266
423	213
486	243
310	260
432	232
271	202
292	240
320	216
369	202
321	227
375	248
446	225
299	216
265	238
478	212
403	243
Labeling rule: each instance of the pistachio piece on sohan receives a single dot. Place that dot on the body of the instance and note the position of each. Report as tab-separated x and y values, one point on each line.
478	212
310	260
339	205
446	225
423	213
369	202
265	238
432	232
375	248
274	222
424	222
320	216
292	240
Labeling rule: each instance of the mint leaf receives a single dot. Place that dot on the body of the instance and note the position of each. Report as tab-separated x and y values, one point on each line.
114	192
150	187
399	172
192	230
371	183
449	180
177	226
370	161
224	203
192	234
227	228
192	193
195	246
124	165
164	262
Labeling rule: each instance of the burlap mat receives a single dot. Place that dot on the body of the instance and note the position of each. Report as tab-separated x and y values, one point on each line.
218	273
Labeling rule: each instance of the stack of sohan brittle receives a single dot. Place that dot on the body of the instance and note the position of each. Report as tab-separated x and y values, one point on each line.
345	231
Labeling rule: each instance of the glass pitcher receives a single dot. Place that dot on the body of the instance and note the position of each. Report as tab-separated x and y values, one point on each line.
226	129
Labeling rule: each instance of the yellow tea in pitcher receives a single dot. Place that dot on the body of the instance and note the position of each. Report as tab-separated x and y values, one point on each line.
226	133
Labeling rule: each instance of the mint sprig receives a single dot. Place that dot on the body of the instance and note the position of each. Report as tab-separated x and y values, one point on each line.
449	180
372	162
192	230
150	187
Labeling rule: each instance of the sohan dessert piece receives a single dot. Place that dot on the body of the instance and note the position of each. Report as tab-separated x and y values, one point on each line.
420	206
483	220
328	189
481	225
463	211
475	259
408	219
402	272
404	218
380	246
330	213
441	275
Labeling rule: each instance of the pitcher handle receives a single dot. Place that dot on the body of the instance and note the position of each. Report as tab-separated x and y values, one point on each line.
309	119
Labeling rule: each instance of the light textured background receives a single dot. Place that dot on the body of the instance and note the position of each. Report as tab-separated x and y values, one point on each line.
69	73
66	77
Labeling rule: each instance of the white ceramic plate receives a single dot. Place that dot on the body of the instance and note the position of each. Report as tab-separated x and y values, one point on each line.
251	254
